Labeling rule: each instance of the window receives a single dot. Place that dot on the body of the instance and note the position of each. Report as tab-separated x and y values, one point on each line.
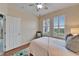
59	23
46	25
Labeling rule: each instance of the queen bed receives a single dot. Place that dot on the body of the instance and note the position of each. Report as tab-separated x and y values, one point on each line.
47	46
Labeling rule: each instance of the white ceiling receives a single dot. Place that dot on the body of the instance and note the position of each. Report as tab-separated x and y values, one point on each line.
51	7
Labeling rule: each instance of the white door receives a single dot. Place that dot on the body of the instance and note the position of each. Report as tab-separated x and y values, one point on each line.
13	32
17	32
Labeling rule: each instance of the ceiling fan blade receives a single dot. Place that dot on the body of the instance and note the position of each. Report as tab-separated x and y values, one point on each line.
45	7
31	4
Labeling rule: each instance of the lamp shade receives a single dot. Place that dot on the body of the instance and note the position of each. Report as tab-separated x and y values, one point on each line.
75	31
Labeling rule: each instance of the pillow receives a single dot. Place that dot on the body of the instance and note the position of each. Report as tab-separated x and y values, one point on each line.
68	37
73	44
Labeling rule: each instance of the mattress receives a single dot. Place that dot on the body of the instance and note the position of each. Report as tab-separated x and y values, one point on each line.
47	46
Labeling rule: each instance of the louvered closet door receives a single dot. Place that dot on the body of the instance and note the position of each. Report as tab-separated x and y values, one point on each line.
13	32
17	32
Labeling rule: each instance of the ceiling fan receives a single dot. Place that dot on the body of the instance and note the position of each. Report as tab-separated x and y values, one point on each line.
39	6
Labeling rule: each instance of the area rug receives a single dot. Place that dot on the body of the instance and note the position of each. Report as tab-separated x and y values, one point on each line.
23	52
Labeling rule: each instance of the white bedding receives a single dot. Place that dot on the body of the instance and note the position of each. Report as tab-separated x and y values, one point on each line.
47	46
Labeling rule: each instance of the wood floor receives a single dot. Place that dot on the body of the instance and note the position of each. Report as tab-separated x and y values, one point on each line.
11	52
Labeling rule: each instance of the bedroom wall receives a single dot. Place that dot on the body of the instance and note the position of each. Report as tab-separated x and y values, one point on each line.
29	23
71	18
3	8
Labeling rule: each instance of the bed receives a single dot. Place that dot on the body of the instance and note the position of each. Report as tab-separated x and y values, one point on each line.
47	46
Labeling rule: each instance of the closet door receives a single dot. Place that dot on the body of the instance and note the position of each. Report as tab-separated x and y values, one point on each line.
13	32
17	33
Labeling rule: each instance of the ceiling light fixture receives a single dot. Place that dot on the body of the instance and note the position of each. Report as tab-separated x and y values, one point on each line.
39	6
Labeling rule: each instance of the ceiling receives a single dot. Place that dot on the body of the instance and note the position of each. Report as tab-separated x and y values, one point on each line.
51	7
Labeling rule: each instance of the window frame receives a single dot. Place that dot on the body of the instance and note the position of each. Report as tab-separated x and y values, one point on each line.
59	25
46	25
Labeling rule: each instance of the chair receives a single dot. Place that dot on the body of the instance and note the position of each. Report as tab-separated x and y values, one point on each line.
38	34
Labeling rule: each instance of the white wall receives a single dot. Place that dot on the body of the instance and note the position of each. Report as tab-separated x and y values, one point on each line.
3	8
71	17
29	23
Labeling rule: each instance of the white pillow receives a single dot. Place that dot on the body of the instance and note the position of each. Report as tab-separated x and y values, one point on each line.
73	44
69	38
